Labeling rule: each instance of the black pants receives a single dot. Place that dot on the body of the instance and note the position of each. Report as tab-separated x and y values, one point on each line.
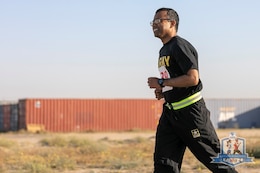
187	127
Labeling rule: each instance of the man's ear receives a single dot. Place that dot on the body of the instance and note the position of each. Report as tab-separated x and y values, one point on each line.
173	23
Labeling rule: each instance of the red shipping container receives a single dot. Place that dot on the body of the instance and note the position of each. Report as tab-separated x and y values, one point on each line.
78	115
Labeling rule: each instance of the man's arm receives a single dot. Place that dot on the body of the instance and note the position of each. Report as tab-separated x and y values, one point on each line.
187	80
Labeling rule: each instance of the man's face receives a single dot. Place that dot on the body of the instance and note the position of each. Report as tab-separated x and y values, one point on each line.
161	24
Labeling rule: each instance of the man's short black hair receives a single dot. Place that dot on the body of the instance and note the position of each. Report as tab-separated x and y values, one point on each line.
172	14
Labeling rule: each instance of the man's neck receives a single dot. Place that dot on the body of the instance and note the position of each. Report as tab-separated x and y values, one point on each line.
168	38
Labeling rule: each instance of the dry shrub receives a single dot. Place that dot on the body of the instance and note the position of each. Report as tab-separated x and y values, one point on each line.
131	154
54	142
7	143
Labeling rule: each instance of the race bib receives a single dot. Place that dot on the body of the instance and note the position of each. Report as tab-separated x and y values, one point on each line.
165	75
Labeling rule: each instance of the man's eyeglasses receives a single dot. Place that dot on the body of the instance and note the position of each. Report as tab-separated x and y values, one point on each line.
157	21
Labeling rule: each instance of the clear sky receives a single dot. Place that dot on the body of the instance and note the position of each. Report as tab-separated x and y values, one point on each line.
106	48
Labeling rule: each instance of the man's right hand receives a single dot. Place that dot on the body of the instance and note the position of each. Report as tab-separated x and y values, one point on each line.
158	93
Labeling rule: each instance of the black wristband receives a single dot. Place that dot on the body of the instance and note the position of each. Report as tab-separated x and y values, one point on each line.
160	82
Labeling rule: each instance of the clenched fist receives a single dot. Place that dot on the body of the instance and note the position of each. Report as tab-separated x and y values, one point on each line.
153	82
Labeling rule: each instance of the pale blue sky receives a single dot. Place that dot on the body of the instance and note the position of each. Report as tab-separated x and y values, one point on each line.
106	48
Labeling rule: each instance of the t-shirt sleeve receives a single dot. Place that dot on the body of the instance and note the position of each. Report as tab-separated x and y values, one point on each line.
186	57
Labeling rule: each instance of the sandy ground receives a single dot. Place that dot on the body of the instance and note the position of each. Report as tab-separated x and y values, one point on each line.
33	139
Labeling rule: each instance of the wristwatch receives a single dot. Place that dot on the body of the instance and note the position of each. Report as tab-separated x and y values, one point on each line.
160	82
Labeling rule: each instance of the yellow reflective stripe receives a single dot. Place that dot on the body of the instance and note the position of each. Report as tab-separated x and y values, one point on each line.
187	101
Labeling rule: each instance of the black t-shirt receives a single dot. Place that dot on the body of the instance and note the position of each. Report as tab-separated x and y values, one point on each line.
177	57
